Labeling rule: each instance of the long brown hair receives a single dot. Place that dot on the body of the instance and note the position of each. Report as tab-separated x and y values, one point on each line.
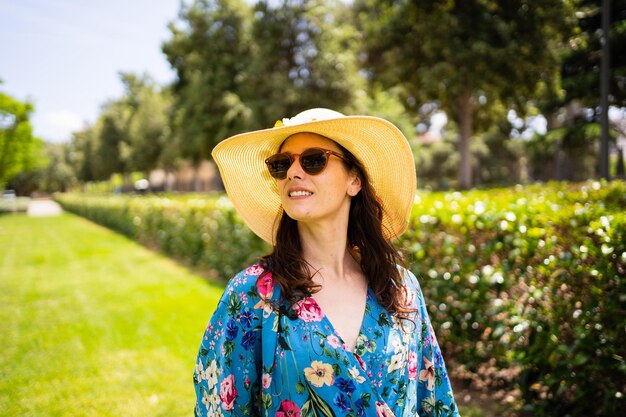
376	255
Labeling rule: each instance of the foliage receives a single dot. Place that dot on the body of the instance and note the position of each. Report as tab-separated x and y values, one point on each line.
82	153
131	134
209	50
568	153
147	129
525	285
463	54
19	149
581	60
242	65
203	232
276	59
58	174
304	55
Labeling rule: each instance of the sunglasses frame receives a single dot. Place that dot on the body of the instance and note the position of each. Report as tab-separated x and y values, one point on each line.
292	158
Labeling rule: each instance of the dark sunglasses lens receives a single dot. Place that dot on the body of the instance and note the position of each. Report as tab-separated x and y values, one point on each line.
278	165
313	161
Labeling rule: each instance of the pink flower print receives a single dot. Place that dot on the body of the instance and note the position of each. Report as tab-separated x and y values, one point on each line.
266	380
333	341
308	310
361	363
254	270
288	409
383	410
412	365
228	393
265	286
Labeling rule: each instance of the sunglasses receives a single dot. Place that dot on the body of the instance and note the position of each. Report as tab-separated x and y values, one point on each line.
312	160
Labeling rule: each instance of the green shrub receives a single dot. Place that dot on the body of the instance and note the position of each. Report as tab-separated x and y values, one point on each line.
203	231
527	287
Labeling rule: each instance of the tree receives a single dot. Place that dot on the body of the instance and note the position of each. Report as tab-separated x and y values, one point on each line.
462	54
57	175
581	60
304	56
147	129
19	149
209	50
109	157
82	152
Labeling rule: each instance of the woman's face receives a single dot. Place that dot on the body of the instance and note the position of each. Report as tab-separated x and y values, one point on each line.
314	198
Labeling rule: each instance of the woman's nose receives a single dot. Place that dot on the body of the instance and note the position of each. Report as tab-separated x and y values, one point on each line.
295	170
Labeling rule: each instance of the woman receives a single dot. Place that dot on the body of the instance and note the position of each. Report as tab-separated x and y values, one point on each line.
329	323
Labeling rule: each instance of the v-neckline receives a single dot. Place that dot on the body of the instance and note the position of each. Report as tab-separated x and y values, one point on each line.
334	329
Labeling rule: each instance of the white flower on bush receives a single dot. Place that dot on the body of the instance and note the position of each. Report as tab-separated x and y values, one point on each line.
510	216
497	278
479	208
426	219
224	203
606	249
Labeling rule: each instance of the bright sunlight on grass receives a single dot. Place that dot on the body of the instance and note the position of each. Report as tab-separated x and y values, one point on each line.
92	324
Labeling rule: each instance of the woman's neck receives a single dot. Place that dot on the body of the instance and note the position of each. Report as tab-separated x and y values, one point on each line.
326	249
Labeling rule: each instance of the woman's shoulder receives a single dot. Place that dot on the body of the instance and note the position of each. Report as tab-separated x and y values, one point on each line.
254	281
409	279
412	289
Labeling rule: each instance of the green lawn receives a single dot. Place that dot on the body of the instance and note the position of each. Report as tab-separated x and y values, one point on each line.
92	324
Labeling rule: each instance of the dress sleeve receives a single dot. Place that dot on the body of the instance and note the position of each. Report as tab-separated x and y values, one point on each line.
226	374
435	397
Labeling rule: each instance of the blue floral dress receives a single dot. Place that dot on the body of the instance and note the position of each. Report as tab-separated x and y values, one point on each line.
261	357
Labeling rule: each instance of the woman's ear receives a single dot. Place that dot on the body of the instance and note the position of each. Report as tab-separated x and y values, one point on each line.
355	184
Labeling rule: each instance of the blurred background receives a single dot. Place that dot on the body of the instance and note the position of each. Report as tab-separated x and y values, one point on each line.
489	93
515	111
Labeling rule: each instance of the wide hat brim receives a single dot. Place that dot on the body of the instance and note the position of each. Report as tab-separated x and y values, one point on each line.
378	144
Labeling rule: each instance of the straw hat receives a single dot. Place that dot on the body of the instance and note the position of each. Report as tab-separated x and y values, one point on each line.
379	145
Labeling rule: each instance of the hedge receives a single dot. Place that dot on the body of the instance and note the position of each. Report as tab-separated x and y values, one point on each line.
526	285
203	231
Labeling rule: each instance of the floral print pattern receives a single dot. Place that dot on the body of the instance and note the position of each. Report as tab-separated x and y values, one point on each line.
262	357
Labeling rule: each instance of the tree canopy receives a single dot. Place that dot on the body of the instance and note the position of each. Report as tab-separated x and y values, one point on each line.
19	149
463	54
242	65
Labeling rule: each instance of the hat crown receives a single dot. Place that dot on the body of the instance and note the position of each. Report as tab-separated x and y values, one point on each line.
312	115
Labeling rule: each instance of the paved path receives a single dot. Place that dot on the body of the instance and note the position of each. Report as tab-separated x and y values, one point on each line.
44	208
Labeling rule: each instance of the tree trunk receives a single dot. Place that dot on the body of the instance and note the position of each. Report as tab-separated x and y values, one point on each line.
465	133
620	172
167	184
196	177
127	186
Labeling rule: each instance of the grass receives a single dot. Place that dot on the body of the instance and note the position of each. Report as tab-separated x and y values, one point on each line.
92	324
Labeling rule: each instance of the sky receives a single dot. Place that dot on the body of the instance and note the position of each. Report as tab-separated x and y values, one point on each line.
64	56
